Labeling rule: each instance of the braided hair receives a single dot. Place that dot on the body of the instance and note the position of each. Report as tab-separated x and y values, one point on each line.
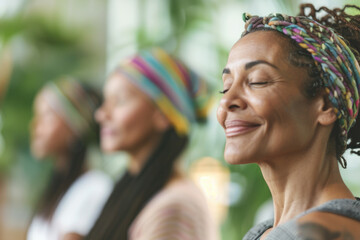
131	193
348	26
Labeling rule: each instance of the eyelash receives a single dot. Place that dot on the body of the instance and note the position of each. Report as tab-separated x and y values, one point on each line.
251	83
223	91
258	83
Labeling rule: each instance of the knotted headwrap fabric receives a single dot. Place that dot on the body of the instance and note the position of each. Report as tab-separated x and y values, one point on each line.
72	102
338	66
181	95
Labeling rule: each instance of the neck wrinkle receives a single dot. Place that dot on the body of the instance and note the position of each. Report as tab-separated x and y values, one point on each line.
301	181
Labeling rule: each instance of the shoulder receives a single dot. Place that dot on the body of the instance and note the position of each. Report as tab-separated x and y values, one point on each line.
256	231
88	192
180	206
82	203
181	194
94	183
324	225
93	178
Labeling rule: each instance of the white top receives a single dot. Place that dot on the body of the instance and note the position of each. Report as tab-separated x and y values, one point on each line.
177	212
77	210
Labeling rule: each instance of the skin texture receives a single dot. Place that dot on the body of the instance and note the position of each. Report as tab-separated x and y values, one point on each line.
324	226
72	236
129	121
268	120
269	97
50	135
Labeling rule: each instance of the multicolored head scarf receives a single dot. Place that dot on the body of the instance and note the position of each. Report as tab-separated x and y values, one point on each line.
181	95
75	103
338	66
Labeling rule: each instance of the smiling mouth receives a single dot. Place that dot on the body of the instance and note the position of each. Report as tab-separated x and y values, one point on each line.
238	127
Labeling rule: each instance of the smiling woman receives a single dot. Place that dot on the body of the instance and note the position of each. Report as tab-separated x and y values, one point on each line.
264	105
291	96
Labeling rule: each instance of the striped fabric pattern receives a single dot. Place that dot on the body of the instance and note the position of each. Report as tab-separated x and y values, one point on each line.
178	212
73	104
180	94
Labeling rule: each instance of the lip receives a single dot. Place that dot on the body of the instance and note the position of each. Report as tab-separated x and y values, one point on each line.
107	132
239	127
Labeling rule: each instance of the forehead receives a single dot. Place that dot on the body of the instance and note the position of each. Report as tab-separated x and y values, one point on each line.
43	98
260	45
118	83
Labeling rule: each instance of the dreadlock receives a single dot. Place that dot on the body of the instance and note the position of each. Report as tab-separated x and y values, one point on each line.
348	26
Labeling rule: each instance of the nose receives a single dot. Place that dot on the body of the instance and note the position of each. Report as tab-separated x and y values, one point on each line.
233	100
101	113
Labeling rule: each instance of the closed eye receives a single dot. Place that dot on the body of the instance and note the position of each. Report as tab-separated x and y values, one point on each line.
258	83
223	91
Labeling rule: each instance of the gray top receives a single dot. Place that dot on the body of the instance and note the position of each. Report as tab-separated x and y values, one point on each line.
287	231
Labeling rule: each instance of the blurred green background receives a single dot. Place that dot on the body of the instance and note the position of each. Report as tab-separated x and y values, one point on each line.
44	39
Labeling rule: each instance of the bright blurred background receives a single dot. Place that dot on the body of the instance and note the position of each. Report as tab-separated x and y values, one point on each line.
41	40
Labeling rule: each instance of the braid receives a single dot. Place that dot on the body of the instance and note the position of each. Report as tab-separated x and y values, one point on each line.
348	26
344	24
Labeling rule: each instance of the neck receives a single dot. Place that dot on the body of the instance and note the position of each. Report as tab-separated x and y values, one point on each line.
303	180
140	155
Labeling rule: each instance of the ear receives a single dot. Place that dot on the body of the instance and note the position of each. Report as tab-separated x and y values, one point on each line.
161	122
327	115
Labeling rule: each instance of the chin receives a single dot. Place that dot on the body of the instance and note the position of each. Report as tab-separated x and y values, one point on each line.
109	147
40	155
237	158
234	153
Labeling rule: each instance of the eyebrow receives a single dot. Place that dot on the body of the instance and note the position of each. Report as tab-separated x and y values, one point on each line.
250	65
254	63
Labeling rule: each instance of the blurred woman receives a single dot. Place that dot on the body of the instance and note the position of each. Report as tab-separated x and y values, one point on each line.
62	129
150	101
290	104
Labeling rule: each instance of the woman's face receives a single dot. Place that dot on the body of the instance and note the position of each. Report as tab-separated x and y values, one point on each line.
127	117
263	110
50	135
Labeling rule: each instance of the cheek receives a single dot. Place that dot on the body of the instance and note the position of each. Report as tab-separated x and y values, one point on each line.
132	123
48	138
127	118
277	108
290	123
45	131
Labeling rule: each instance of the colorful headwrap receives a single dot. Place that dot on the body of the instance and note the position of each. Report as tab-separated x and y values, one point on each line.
337	64
73	103
181	95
